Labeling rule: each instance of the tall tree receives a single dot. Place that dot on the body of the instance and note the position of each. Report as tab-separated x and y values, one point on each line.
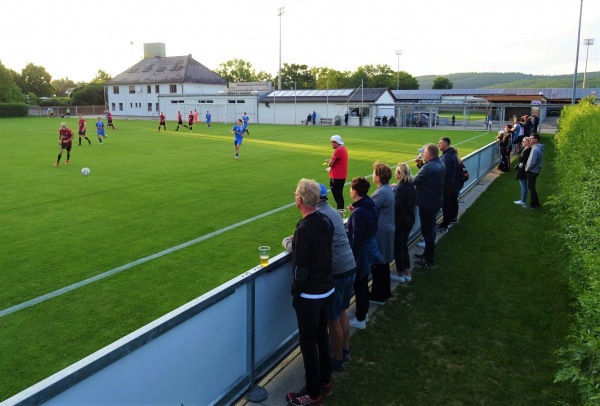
35	79
441	82
407	81
297	76
62	85
373	76
237	70
101	77
9	91
330	78
88	95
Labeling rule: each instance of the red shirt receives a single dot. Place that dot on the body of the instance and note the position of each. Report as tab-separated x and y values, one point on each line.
161	118
339	169
66	135
82	124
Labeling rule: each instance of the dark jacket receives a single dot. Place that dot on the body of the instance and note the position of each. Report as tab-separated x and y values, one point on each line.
405	197
312	258
452	180
361	228
429	183
522	162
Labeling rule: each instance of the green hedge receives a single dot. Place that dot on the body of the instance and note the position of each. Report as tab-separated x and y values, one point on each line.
576	209
13	110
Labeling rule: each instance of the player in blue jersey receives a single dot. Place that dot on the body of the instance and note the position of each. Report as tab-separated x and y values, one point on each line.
246	119
238	132
100	130
208	118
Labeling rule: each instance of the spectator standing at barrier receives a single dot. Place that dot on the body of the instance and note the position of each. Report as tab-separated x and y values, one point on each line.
536	123
361	229
314	117
518	132
383	197
312	291
429	183
453	119
405	197
521	176
82	126
346	118
452	184
65	141
344	269
505	137
533	169
337	166
308	119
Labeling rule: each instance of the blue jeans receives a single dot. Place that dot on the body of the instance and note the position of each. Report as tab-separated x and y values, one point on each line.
523	183
427	218
314	341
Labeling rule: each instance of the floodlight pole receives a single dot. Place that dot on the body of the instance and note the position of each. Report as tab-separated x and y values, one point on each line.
577	54
587	42
280	12
398	53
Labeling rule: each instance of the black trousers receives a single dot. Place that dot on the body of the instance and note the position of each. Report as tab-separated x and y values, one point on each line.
337	190
449	207
380	288
531	179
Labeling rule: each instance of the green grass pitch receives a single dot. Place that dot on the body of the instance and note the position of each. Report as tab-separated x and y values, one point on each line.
147	193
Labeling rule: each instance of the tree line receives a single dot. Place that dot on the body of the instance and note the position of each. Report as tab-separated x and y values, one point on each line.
34	85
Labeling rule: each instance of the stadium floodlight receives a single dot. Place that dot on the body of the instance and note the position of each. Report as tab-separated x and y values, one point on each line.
577	54
280	12
587	42
398	53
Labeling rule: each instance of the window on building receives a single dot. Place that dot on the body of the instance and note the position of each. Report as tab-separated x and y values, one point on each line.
112	107
172	88
156	107
120	106
241	101
131	89
156	88
149	106
115	89
148	89
231	101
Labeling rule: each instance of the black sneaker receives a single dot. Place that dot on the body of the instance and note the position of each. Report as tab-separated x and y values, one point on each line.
420	256
442	229
424	263
337	365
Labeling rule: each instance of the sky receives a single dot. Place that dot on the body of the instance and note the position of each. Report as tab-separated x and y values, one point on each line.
437	37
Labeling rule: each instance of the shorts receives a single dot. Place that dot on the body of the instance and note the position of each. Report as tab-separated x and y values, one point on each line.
180	122
65	145
344	287
238	141
101	133
81	132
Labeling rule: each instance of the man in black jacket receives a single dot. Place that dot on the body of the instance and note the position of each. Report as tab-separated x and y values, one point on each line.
312	291
429	183
452	184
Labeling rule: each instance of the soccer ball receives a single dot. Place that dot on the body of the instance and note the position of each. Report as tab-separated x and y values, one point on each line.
85	171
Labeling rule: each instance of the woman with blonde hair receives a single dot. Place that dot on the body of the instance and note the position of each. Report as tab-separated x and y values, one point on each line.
405	197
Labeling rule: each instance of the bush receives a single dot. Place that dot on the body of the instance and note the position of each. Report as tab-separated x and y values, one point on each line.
13	110
575	208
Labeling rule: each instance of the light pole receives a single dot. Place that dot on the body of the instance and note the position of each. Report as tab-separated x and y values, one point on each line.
587	42
577	54
398	53
280	12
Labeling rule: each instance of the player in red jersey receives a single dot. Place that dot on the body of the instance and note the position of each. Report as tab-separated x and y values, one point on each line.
180	121
190	119
162	121
109	122
82	128
65	139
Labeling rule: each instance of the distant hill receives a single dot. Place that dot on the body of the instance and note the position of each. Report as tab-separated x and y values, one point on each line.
495	80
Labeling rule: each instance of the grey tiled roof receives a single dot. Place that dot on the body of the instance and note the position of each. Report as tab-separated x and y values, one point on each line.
171	69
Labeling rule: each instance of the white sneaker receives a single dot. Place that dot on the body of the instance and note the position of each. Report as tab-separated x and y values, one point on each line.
398	278
519	202
408	278
361	325
421	244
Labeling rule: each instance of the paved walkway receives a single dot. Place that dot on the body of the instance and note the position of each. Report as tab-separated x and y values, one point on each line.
288	375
